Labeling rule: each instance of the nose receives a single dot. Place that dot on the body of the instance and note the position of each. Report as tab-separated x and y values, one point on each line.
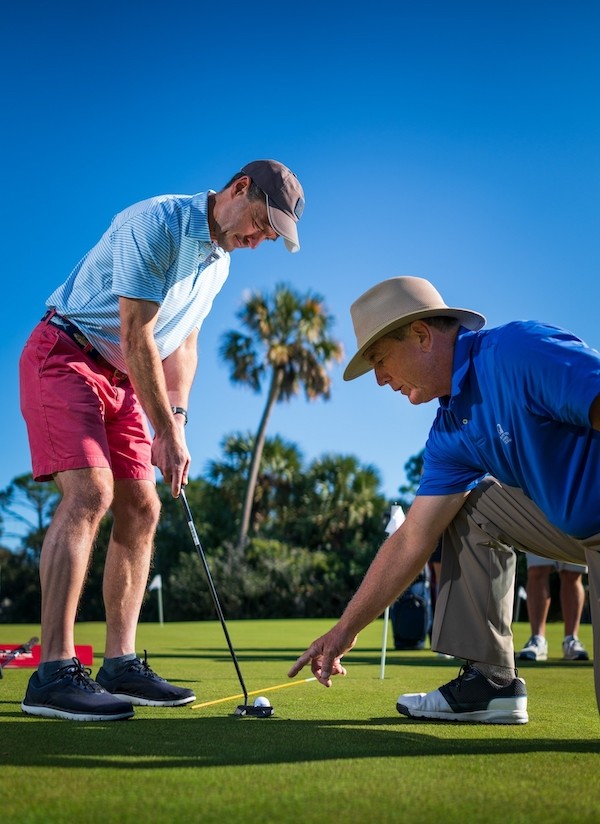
254	240
379	377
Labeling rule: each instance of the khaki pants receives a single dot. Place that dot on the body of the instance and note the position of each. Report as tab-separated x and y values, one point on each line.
474	606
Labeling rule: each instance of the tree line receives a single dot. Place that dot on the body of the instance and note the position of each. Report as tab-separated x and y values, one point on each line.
313	531
284	538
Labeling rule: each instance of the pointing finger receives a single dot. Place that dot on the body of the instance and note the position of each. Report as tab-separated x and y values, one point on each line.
300	663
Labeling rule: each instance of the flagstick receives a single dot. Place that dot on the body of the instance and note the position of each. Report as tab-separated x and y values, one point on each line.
156	583
160	606
396	520
386	618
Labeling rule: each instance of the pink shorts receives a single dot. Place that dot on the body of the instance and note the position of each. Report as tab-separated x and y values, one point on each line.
77	415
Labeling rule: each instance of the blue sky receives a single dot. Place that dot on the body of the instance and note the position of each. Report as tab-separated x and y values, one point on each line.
456	141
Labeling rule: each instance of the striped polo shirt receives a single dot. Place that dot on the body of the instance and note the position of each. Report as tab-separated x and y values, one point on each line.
157	250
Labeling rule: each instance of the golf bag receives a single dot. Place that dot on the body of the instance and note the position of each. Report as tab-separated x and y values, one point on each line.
412	614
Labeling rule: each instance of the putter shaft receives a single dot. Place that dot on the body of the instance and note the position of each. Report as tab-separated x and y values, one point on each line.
213	591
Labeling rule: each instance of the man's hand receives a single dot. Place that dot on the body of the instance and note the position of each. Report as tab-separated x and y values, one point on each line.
159	385
325	656
170	454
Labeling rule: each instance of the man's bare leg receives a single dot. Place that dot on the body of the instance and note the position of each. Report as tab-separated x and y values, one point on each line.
136	509
538	598
572	597
66	551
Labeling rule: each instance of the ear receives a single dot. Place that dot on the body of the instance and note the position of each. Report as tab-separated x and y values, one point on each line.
240	186
423	334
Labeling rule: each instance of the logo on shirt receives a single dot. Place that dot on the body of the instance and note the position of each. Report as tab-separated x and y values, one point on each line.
504	436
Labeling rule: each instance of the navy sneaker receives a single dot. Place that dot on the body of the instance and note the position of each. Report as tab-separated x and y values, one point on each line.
470	697
139	684
74	695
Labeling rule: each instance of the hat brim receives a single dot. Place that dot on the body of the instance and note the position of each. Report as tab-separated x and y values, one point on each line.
284	225
358	365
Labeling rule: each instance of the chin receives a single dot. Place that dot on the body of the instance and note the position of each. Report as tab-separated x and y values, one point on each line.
417	399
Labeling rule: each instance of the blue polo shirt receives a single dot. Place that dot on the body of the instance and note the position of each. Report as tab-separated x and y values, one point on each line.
519	410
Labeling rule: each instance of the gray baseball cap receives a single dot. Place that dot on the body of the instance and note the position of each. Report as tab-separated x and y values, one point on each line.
285	197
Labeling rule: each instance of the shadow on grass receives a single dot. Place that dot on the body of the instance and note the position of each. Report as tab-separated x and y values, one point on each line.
370	656
149	743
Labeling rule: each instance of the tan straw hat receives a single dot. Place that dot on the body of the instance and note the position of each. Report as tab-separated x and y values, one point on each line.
394	303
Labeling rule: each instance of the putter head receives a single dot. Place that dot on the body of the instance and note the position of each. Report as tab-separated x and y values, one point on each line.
254	712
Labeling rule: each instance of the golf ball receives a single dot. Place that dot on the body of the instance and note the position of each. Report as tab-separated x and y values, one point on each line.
261	701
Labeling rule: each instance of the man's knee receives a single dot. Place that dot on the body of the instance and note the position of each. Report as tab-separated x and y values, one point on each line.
570	578
86	494
538	574
137	505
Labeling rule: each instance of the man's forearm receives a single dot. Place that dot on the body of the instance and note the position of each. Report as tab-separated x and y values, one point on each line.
393	570
401	558
179	370
144	365
146	373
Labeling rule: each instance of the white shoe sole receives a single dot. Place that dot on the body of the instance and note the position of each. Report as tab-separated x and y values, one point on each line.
54	712
150	702
499	711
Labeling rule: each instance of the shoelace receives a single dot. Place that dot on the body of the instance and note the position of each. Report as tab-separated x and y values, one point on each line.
81	676
143	667
456	683
534	641
466	669
463	671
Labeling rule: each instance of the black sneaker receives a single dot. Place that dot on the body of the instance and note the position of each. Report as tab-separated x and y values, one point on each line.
139	684
73	695
470	697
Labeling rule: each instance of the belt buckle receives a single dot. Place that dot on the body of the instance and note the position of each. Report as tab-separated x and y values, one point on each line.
81	339
119	376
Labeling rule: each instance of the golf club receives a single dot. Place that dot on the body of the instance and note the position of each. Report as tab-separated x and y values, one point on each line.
22	650
245	708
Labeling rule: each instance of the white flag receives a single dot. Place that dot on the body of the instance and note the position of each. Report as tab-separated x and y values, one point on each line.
396	520
522	594
155	583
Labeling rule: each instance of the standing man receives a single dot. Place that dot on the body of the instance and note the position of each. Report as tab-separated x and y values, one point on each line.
117	346
572	600
512	459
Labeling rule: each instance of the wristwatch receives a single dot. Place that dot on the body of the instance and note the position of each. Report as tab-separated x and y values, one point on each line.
179	410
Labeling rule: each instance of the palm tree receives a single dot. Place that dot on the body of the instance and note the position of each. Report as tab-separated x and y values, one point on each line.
413	469
345	504
28	507
280	468
288	344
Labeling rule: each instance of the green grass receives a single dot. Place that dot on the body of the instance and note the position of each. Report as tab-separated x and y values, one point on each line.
342	754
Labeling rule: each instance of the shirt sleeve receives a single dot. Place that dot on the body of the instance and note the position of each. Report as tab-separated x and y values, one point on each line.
443	472
144	248
555	373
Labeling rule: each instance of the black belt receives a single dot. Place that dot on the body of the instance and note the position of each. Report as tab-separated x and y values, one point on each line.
80	339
